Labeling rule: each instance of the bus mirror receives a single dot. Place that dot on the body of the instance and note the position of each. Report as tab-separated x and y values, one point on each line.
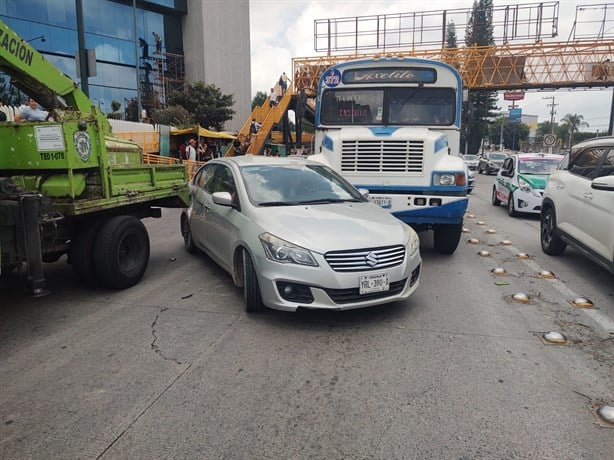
465	95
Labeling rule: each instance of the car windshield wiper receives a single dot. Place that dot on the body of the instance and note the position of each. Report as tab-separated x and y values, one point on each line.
327	200
279	203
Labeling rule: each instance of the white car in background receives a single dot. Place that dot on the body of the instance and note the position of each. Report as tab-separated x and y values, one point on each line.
471	161
521	181
578	204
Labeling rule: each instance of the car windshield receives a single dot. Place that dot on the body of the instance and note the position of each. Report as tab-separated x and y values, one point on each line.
497	156
537	165
295	184
470	157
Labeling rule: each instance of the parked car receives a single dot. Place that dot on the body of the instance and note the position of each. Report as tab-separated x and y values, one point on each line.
490	162
471	161
293	233
578	205
521	181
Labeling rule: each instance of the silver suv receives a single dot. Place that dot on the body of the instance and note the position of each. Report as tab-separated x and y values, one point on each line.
578	204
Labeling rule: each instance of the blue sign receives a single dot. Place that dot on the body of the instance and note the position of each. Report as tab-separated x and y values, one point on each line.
515	115
332	78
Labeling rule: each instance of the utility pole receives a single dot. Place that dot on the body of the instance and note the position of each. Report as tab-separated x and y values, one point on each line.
552	105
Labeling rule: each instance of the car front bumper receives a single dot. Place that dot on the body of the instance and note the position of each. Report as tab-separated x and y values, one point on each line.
528	202
324	288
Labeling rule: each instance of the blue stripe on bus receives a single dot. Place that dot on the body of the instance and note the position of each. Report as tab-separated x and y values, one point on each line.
450	213
383	130
440	143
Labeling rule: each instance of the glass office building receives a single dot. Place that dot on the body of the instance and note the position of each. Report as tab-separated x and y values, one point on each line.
126	36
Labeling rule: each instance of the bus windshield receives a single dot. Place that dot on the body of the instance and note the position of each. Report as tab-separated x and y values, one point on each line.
388	106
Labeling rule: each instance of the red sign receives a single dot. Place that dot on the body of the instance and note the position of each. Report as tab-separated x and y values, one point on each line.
513	95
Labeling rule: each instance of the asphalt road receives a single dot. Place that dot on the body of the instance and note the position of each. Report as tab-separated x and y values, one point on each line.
173	368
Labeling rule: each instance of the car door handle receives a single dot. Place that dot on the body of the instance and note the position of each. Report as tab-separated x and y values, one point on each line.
559	185
588	195
207	207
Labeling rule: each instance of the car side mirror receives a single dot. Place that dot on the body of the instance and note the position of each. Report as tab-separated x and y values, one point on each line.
603	183
222	198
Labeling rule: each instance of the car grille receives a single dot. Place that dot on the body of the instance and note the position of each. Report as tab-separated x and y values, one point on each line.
352	295
382	156
359	260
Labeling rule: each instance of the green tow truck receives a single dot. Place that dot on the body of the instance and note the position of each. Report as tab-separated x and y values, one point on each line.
68	186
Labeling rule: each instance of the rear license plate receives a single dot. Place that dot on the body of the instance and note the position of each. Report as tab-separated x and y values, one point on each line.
382	201
373	283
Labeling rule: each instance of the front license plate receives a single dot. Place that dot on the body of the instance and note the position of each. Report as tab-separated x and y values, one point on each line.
382	201
373	283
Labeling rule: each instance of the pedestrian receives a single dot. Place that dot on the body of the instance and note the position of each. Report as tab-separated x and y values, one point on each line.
283	83
273	98
236	148
254	127
191	150
31	111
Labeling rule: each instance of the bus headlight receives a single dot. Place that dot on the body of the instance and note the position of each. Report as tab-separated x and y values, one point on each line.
449	179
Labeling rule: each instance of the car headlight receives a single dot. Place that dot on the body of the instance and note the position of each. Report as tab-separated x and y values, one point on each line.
282	251
414	242
449	178
524	185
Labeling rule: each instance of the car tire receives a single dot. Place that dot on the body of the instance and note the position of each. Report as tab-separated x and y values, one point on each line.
494	200
446	237
122	252
188	241
252	299
81	252
550	242
511	208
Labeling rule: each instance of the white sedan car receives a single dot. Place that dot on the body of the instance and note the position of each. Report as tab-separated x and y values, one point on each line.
294	234
521	181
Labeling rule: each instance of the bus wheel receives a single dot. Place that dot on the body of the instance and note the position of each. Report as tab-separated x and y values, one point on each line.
122	252
81	252
446	237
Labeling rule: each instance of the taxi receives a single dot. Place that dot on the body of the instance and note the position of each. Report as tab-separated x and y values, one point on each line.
521	181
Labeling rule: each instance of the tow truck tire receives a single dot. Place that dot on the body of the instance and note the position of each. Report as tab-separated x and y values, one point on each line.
446	237
81	253
122	252
251	291
494	200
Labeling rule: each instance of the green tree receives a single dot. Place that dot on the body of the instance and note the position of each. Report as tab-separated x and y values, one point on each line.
259	99
513	133
481	104
174	115
451	46
206	103
572	122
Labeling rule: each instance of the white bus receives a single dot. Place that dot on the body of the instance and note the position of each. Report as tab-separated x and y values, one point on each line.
392	126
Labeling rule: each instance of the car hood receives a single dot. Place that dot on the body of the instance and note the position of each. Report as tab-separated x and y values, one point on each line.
323	228
536	181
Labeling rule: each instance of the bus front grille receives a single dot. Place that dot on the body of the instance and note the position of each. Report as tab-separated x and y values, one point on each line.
382	156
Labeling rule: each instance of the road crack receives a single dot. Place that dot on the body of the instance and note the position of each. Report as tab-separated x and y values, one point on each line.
153	344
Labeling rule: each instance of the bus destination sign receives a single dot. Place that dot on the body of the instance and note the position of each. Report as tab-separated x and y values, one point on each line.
390	75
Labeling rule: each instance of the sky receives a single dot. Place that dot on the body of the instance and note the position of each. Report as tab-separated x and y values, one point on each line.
281	30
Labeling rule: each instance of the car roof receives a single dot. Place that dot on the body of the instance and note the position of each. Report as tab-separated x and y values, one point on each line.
532	156
596	142
256	160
